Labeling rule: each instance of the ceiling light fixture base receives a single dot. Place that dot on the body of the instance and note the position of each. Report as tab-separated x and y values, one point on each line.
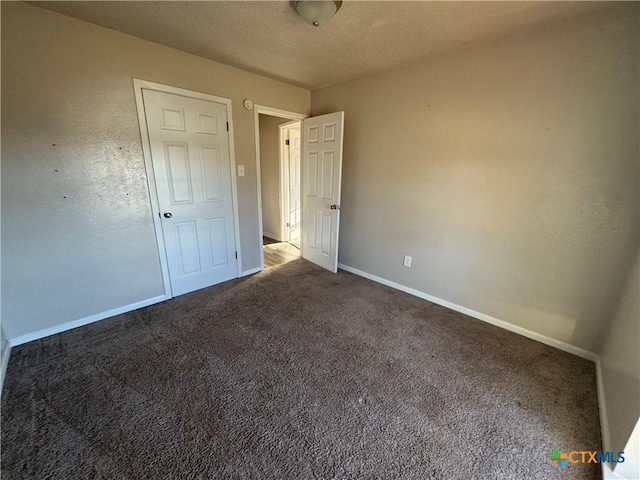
316	12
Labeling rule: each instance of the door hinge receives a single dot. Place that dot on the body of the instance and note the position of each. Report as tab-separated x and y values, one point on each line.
227	126
288	224
286	142
236	255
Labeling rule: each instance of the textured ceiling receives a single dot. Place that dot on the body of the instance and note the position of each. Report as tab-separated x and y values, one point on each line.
267	37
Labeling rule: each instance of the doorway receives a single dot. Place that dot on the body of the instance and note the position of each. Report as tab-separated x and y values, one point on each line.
320	180
279	143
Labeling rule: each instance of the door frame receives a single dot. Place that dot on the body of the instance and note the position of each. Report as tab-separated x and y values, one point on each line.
138	85
274	112
285	187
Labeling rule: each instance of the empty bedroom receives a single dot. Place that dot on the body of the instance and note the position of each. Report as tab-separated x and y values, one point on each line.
320	240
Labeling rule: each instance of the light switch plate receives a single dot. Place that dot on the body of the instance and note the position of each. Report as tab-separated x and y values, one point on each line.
241	170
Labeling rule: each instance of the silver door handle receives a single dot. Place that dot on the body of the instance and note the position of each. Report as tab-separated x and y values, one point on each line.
335	207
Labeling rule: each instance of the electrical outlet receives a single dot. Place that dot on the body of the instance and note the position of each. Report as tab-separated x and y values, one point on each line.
241	170
407	261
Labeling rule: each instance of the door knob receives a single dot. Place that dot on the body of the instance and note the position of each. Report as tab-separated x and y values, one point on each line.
168	215
335	207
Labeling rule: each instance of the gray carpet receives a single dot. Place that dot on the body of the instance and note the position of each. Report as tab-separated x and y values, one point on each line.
295	373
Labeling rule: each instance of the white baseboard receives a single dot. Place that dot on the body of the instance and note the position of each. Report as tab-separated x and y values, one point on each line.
5	361
581	352
602	407
29	337
630	469
271	235
251	271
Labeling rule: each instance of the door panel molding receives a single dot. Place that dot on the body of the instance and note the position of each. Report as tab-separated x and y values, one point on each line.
138	86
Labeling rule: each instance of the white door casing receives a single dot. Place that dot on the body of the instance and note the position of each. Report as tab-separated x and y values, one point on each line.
191	158
294	211
321	183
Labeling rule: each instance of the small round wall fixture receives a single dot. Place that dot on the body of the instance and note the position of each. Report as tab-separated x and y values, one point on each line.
248	104
316	12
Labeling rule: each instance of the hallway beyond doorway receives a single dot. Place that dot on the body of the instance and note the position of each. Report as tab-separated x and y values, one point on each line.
278	253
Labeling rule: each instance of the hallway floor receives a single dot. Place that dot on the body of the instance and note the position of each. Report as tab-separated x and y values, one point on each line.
278	253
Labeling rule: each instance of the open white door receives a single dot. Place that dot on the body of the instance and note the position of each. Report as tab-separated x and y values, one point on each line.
321	184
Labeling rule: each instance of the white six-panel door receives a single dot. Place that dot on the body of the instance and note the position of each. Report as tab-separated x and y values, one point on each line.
192	168
294	184
321	184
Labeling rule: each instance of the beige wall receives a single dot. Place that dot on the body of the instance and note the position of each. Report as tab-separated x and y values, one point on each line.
508	171
77	233
620	363
270	174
